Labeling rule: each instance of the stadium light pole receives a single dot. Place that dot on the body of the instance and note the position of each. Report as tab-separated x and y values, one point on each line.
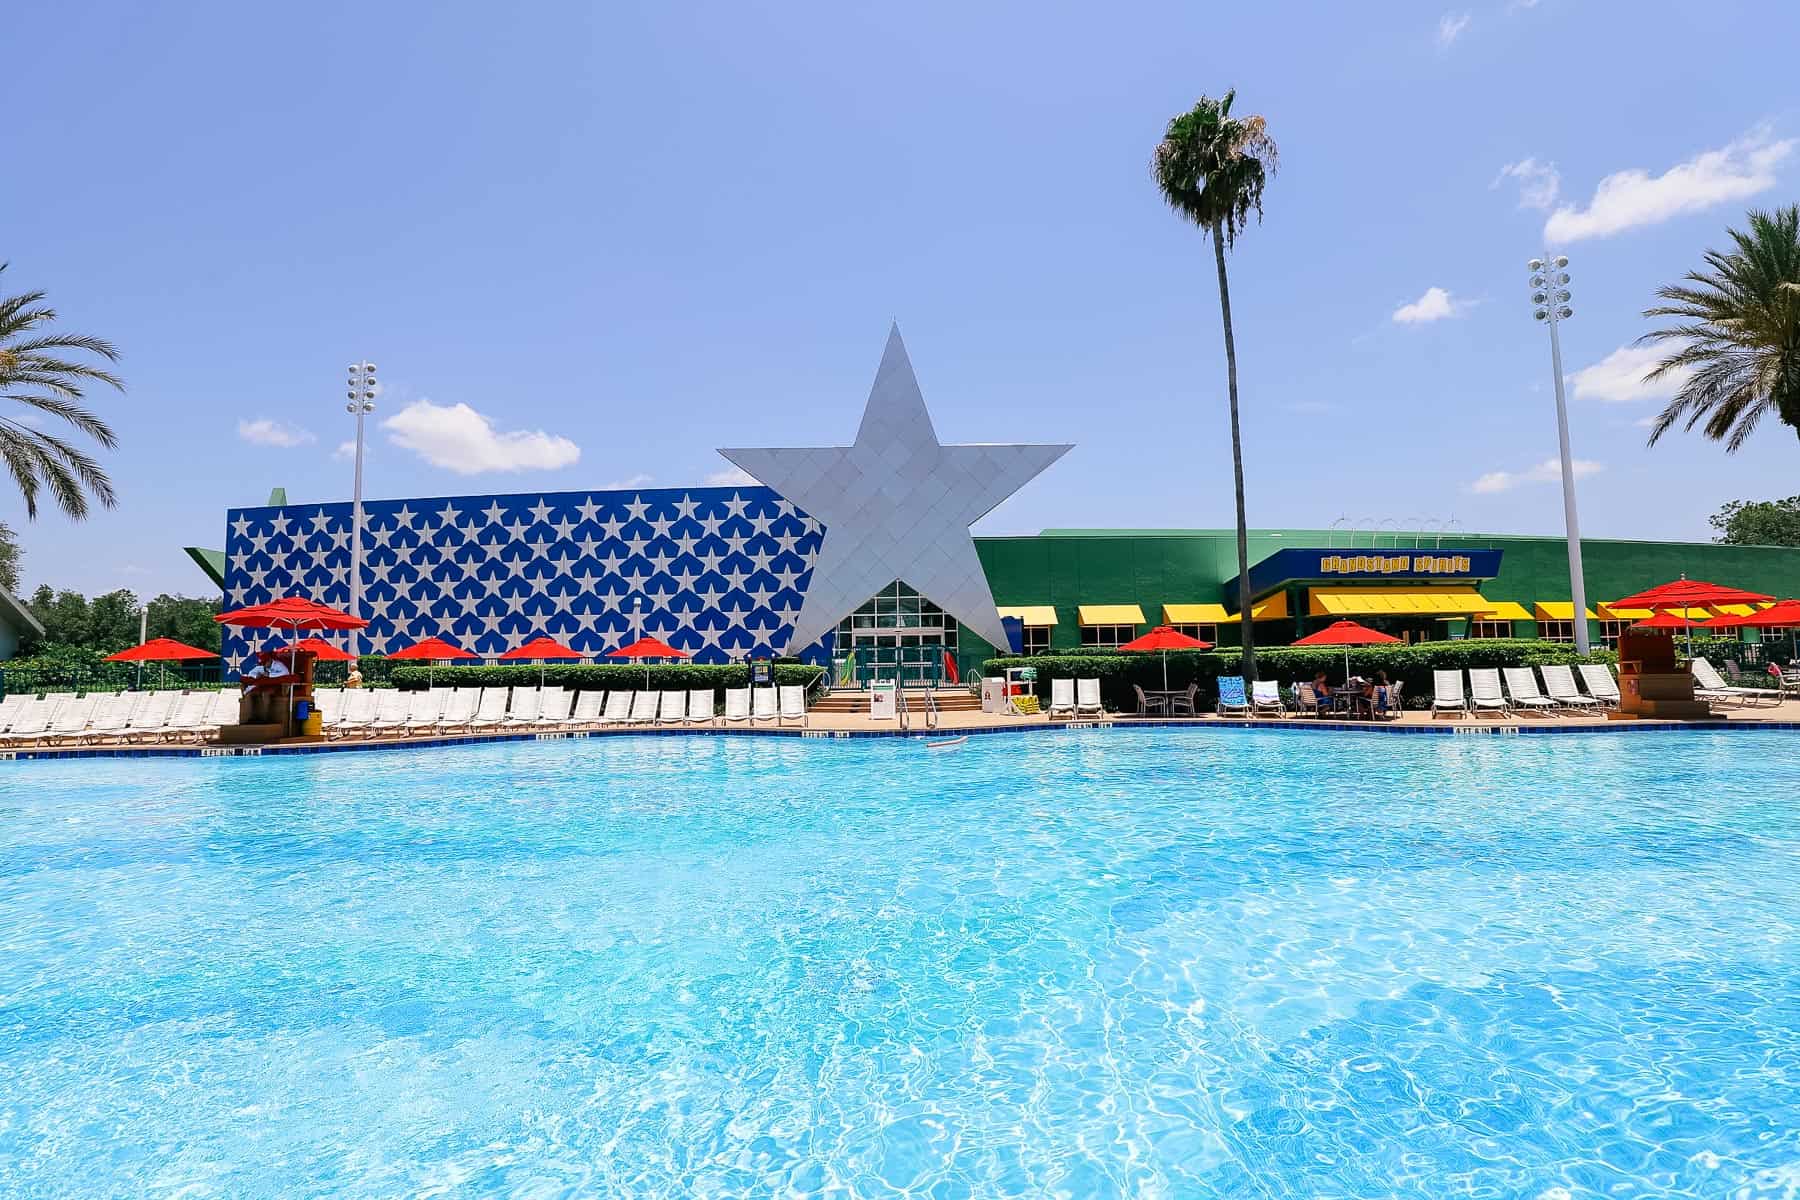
1550	305
362	403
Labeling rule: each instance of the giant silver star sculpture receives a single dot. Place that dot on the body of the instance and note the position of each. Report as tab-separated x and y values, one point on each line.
896	505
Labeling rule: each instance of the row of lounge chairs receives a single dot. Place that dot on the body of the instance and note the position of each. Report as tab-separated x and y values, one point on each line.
1509	690
366	713
65	718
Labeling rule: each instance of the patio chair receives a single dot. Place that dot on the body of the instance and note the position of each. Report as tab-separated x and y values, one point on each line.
33	720
792	705
1265	697
459	709
1522	684
1559	681
701	703
353	714
423	710
618	708
189	716
1485	693
1306	701
1062	698
114	713
588	707
10	706
224	710
1087	697
527	702
1600	683
762	705
1395	705
492	709
1232	702
643	708
671	708
737	706
1712	687
392	707
553	706
1184	704
1149	704
1447	693
72	719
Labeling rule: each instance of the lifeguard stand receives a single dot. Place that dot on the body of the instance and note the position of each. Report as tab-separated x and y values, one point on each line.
278	710
1652	681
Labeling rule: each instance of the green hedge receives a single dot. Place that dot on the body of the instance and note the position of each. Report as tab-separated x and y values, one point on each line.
605	676
1410	665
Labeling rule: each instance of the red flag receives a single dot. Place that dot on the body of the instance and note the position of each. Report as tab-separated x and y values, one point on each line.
950	667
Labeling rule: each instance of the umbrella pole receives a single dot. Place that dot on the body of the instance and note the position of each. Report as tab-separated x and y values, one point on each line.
1165	670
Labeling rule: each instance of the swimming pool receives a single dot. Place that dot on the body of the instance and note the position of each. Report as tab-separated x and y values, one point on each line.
1153	963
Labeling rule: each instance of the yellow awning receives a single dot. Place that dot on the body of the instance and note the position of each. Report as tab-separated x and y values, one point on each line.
1195	614
1610	613
1736	610
1378	601
1504	610
1558	610
1110	614
1033	616
1271	609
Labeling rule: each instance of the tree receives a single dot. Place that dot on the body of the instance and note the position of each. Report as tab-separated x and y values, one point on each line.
1211	168
1737	336
37	373
64	615
186	620
9	558
1759	522
113	621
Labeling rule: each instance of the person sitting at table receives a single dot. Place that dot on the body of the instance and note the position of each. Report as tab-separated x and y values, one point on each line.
1320	688
1378	693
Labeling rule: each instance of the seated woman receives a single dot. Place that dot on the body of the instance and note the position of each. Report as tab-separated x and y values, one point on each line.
1321	689
1377	697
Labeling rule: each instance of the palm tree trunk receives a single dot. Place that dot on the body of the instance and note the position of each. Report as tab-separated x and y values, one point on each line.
1245	625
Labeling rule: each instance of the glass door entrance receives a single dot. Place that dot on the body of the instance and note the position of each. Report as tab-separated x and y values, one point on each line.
897	635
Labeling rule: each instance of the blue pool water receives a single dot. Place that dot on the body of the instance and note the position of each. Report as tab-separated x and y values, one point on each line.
1129	963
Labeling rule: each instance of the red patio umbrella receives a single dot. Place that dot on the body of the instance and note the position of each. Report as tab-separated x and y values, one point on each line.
159	650
648	648
432	651
319	648
1347	634
1783	614
541	648
1688	593
1165	638
1664	619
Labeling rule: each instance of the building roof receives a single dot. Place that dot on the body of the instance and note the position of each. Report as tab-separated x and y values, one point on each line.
13	610
210	561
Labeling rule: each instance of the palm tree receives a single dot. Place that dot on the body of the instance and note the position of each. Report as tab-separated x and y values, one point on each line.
1211	168
36	372
1738	334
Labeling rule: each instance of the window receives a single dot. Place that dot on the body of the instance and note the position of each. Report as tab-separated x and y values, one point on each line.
1035	639
1556	631
1490	629
1610	631
1205	633
1107	635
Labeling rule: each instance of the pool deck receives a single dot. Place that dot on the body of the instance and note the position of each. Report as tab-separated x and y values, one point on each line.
956	724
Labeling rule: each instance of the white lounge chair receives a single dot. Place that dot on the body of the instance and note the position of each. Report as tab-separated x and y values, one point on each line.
72	718
1265	696
700	705
792	703
1087	698
588	706
392	707
359	710
35	718
113	716
671	708
459	709
1447	693
1527	696
492	710
1600	683
762	705
327	702
618	708
191	715
423	710
643	707
527	702
1559	681
1713	687
1062	698
10	706
737	705
553	707
1484	691
224	710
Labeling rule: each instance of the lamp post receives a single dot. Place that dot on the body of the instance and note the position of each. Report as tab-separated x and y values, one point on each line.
362	403
1550	305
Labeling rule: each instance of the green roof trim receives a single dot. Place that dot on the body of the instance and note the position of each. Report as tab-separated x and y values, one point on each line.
210	561
21	616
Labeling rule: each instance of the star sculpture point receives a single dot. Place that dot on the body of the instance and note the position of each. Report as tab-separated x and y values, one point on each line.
896	504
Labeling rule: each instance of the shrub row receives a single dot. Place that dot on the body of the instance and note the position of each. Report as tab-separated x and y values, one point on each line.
604	676
1410	665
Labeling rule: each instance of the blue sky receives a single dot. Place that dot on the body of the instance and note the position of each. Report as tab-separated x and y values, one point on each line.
626	235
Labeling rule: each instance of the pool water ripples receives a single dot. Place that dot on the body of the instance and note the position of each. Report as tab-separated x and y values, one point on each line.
1150	963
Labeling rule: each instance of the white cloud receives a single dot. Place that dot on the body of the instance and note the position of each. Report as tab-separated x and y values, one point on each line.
626	484
1451	26
1632	198
1539	183
1619	377
1548	471
266	432
347	450
1435	305
731	477
457	438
